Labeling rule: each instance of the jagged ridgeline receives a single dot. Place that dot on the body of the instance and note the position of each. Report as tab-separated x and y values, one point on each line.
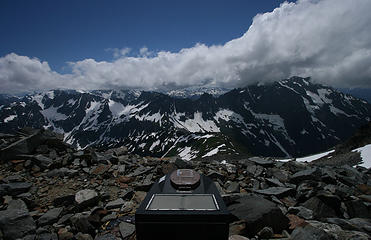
292	117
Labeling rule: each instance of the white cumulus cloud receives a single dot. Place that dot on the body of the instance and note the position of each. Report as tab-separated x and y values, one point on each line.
328	40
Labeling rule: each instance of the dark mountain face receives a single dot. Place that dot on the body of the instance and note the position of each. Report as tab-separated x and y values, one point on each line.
292	117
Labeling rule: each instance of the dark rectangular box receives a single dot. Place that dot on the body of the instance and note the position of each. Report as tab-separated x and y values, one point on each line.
169	213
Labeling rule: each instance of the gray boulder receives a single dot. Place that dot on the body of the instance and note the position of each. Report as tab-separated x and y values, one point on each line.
310	232
126	229
86	197
25	145
309	174
354	224
181	164
357	209
16	222
50	216
258	213
233	187
262	161
319	208
301	212
115	204
47	236
42	161
326	231
279	192
15	188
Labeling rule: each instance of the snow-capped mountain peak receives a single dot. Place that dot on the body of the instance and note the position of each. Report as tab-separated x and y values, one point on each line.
292	117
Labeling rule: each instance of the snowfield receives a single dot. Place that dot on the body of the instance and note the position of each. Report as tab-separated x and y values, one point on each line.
365	155
365	152
314	157
10	118
309	158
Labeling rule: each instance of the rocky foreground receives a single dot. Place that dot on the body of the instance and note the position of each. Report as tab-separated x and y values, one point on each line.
49	190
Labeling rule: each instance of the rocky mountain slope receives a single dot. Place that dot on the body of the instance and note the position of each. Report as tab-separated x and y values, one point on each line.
292	117
354	151
49	190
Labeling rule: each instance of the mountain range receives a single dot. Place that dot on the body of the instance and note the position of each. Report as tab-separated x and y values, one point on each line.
291	117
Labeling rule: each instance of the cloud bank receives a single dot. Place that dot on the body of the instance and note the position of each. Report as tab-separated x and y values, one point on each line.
329	40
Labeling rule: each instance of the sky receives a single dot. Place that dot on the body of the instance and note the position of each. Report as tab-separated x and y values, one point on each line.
169	44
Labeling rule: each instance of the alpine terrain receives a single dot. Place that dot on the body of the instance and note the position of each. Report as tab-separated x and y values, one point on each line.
289	118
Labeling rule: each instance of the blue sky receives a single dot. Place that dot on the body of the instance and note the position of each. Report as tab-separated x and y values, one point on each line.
70	30
170	44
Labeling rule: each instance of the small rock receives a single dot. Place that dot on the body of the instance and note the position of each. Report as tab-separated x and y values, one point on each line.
64	234
125	179
82	224
126	194
262	161
279	192
50	216
319	230
233	187
78	154
86	197
319	208
27	237
258	213
120	151
127	207
310	174
281	175
167	168
82	236
231	168
108	236
13	178
301	212
64	218
76	162
309	232
61	172
296	221
16	222
115	204
181	164
121	169
145	185
139	196
48	236
274	182
237	228
64	200
237	237
354	224
215	176
101	169
265	233
357	209
366	198
16	188
109	217
43	162
255	170
220	189
126	229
